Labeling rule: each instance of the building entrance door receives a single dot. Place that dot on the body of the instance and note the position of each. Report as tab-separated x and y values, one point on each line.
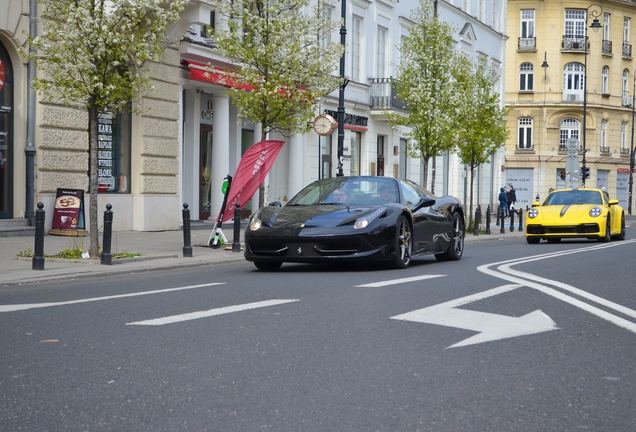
205	172
6	135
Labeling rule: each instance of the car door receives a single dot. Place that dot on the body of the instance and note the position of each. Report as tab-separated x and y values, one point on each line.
426	222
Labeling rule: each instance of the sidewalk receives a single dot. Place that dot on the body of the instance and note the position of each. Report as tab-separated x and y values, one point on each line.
159	251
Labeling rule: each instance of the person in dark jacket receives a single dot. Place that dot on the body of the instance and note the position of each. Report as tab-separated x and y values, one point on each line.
503	202
511	195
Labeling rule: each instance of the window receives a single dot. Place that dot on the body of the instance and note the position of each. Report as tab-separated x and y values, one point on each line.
569	129
113	154
573	76
626	24
574	23
526	77
525	133
208	30
605	80
380	57
604	135
356	45
625	88
606	26
527	23
623	137
356	140
326	13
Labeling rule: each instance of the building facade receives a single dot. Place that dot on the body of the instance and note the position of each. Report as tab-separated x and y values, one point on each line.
190	136
559	91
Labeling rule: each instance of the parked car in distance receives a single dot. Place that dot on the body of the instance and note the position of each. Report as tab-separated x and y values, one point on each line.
575	213
356	219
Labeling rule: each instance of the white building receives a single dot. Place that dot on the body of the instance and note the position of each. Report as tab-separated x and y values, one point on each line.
213	137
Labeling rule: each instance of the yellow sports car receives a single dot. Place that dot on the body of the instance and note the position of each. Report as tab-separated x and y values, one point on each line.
575	213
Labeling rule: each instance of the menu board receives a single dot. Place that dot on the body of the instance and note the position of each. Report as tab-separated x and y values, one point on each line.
105	156
68	213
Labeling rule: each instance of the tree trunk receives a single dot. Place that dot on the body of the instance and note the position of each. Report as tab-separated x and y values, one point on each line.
261	187
93	181
425	160
471	212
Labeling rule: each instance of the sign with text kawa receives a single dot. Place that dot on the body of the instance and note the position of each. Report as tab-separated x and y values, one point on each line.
69	209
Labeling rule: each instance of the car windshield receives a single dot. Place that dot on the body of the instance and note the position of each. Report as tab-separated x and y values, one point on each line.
348	191
570	197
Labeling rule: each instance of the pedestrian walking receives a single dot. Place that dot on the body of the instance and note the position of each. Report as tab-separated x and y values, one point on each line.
512	198
503	202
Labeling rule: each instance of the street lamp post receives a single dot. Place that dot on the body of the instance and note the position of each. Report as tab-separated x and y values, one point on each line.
591	10
343	84
631	154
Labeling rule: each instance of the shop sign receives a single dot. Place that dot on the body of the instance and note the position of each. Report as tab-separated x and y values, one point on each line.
69	209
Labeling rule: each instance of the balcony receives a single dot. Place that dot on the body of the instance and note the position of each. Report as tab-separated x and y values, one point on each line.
627	50
383	95
607	47
527	44
573	44
605	150
624	151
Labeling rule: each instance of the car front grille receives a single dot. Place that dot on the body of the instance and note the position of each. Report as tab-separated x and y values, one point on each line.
323	248
570	229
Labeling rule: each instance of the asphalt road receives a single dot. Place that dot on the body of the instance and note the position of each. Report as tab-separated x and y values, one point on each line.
512	337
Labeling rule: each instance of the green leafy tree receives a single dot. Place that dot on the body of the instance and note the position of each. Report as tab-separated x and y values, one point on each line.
482	130
429	74
282	51
93	53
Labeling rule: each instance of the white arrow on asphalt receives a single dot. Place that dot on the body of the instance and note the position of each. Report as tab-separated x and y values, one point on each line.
491	327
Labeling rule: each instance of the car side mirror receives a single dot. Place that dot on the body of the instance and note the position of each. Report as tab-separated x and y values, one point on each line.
424	202
276	204
535	203
613	202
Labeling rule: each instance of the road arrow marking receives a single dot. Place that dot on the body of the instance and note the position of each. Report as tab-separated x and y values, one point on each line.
491	327
208	313
398	281
20	307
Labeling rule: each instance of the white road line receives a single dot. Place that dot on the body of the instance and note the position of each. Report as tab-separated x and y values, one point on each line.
20	307
506	273
399	281
208	313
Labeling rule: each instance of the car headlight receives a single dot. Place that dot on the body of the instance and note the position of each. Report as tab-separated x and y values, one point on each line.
365	220
596	212
533	213
255	222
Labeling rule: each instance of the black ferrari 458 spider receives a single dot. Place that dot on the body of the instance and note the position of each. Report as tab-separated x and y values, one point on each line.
356	218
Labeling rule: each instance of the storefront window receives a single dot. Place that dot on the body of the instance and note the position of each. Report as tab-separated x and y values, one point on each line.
113	157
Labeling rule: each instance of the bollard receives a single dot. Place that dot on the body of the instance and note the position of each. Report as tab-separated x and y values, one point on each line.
37	263
187	245
488	219
477	220
497	222
107	257
520	220
512	220
502	228
236	241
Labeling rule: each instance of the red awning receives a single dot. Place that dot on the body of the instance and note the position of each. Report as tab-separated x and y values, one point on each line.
214	75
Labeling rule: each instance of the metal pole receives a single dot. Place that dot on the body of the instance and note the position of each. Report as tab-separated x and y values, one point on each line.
29	150
343	84
584	99
488	220
236	242
38	254
631	154
187	241
107	257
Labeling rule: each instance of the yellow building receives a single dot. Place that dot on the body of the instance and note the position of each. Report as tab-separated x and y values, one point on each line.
546	86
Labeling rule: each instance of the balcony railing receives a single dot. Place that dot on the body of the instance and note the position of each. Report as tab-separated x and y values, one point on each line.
627	50
573	43
607	47
605	149
527	44
383	95
624	151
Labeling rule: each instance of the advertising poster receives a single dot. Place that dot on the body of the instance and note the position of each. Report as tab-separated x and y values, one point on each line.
69	210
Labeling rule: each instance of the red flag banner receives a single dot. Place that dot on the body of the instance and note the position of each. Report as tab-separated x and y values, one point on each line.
250	173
